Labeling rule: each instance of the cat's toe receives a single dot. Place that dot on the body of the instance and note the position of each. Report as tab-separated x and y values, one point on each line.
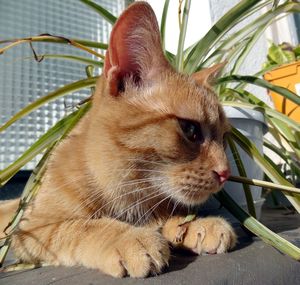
210	235
113	264
145	253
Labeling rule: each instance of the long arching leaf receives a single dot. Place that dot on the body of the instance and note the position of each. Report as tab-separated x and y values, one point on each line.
42	143
100	10
272	173
72	87
262	83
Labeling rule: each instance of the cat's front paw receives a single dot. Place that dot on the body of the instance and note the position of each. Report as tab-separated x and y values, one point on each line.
138	253
209	236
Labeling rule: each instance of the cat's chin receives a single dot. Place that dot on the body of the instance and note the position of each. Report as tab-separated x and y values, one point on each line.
192	199
192	196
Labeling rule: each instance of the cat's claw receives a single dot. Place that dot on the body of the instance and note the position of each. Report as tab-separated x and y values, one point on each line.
140	253
210	235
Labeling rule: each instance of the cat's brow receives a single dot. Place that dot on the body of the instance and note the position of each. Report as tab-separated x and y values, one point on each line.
146	122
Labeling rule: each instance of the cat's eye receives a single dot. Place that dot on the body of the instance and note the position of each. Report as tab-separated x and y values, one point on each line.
191	130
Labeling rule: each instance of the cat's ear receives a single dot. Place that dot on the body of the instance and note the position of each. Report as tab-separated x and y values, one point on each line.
134	51
207	76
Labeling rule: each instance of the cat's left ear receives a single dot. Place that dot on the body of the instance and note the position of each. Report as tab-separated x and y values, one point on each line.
207	76
134	51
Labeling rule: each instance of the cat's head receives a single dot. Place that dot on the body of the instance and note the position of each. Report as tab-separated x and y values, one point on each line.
152	124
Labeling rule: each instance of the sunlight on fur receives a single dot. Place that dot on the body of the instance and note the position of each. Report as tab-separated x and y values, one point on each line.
117	190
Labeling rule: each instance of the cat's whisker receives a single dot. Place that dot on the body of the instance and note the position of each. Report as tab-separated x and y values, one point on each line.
124	211
152	209
121	196
174	208
136	203
85	203
145	199
96	195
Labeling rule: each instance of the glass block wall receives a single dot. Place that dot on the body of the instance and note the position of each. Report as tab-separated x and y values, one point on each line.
23	80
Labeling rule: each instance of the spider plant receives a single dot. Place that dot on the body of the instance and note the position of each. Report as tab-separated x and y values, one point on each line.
221	43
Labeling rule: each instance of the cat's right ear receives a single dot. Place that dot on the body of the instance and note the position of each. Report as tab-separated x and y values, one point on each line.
208	76
134	51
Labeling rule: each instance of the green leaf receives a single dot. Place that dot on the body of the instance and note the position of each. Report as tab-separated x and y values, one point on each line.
100	10
280	56
257	228
81	59
272	173
59	40
275	4
69	88
259	105
163	24
287	135
283	154
262	83
242	172
41	144
265	184
227	42
50	38
170	57
216	32
297	51
182	34
248	48
284	130
34	182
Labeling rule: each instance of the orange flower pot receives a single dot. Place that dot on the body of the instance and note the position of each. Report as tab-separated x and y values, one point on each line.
287	76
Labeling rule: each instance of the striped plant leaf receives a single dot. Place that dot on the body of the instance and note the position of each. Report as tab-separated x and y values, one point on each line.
262	83
163	24
214	40
257	228
58	40
100	10
271	172
265	184
242	172
16	42
45	141
69	88
228	21
81	59
261	106
34	182
182	35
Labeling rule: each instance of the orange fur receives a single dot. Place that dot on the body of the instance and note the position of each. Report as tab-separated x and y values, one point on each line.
123	170
7	208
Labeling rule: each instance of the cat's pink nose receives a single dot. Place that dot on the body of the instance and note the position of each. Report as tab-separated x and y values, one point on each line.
223	175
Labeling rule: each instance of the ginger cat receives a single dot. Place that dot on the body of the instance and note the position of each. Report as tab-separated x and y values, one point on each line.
117	190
